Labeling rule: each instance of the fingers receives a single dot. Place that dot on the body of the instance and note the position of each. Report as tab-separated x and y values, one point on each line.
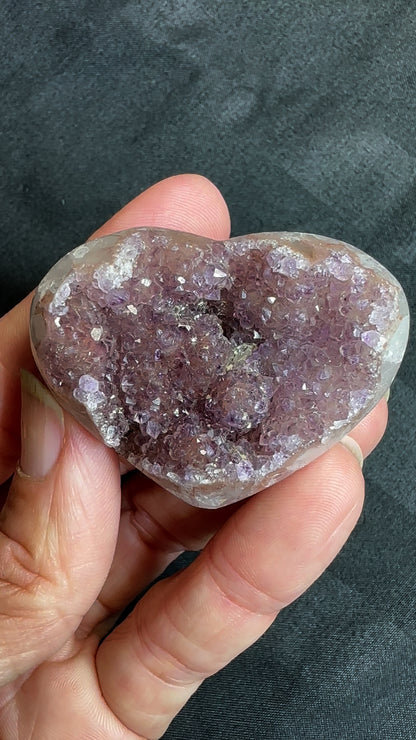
58	530
184	202
190	625
155	527
14	354
370	430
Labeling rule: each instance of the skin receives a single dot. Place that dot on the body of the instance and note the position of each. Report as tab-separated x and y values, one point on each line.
70	561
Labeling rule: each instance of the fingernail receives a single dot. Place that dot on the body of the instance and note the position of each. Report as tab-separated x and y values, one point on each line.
354	448
387	394
42	428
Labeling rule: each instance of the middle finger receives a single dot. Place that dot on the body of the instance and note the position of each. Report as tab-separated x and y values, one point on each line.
155	528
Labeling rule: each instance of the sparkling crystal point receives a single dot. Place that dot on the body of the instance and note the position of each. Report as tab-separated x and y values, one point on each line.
218	368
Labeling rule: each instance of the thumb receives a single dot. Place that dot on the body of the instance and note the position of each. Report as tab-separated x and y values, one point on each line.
58	531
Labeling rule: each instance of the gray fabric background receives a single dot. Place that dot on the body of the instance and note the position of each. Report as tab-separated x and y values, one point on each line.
304	114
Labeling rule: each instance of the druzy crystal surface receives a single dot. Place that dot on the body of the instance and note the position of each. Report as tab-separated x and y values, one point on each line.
217	368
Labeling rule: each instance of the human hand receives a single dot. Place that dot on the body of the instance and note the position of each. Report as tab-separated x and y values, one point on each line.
70	563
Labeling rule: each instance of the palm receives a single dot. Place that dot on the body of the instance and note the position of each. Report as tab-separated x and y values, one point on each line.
62	698
70	563
64	691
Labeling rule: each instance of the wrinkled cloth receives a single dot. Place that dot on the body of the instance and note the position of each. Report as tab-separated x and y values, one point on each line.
304	115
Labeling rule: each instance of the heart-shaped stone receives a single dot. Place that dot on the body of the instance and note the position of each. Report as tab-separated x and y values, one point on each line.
218	368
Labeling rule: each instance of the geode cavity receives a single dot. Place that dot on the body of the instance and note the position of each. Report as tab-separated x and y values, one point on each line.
217	368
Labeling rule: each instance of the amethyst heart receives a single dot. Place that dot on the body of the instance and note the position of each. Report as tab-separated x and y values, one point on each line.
218	368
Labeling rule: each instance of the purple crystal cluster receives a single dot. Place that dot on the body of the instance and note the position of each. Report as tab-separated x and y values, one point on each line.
217	368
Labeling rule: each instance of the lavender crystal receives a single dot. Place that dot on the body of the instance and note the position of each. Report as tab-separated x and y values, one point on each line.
218	368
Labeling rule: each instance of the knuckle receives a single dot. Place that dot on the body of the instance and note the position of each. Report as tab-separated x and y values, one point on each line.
23	585
153	533
176	664
238	588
